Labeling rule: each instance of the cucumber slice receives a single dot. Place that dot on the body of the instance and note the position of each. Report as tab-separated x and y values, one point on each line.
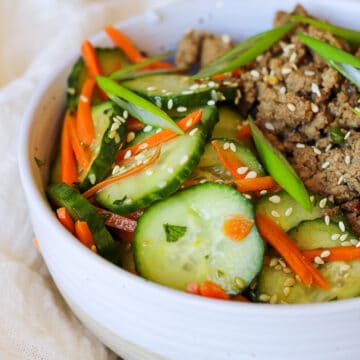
179	91
201	252
110	60
286	211
229	123
343	277
177	160
110	127
62	195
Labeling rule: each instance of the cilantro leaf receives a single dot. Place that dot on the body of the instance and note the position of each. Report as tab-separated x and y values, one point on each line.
174	232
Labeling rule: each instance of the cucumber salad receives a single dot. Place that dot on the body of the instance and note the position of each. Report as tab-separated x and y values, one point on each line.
208	171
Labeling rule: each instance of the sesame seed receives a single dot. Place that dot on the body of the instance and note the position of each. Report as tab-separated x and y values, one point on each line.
309	73
300	146
325	254
347	135
242	170
127	154
147	128
318	260
115	170
278	267
151	88
343	237
143	146
263	192
347	159
194	86
275	199
341	226
317	151
125	114
291	107
293	57
211	84
315	89
84	99
170	170
289	282
211	102
255	74
162	184
259	58
184	159
189	123
181	109
353	242
269	126
130	136
232	147
273	262
92	179
344	267
202	181
264	297
71	91
225	38
273	299
202	86
159	130
112	134
327	220
226	146
251	175
282	90
358	244
322	203
312	198
286	290
170	104
341	179
328	148
282	263
275	214
158	102
288	211
346	243
214	95
193	131
148	172
335	237
247	196
286	71
187	92
314	108
325	165
127	201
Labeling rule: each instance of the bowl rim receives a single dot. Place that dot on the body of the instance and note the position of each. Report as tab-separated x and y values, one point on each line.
36	196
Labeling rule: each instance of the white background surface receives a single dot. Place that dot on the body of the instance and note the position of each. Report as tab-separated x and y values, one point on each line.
35	323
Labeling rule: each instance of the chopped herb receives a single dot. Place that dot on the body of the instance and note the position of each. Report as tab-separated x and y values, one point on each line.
39	162
336	135
120	201
220	273
174	232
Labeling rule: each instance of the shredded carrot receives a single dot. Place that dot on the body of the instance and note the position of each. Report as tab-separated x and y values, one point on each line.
65	218
164	135
346	253
81	154
125	44
244	133
158	65
277	238
84	122
134	124
117	221
83	233
193	288
237	72
255	184
229	160
237	227
240	298
91	61
213	290
68	166
121	176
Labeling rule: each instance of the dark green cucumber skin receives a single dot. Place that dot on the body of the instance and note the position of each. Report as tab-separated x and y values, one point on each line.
62	195
205	129
79	73
102	163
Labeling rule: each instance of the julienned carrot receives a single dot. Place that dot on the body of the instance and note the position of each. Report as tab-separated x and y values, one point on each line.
84	122
229	160
346	253
164	135
83	233
255	184
237	227
121	176
213	290
65	219
277	238
117	221
80	151
134	124
68	172
244	133
91	61
193	288
125	44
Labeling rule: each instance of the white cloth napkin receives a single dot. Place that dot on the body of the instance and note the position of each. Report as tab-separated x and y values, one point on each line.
35	323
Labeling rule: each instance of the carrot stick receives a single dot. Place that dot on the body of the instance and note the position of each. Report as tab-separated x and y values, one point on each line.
213	290
164	135
244	133
80	151
255	184
229	160
65	218
117	221
91	61
346	253
277	238
237	227
83	233
84	122
124	175
67	158
134	124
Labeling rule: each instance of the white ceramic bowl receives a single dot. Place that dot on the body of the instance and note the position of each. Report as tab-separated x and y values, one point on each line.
142	320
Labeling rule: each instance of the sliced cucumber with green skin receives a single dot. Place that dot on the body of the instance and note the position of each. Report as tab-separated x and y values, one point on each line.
110	126
179	92
109	60
279	168
177	160
62	195
202	251
229	123
343	277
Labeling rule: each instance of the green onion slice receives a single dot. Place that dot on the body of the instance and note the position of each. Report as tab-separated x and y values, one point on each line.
351	36
244	52
346	64
137	106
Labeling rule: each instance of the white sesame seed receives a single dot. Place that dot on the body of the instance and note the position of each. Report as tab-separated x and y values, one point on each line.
344	267
282	90
269	126
170	104
318	260
341	179
312	198
158	102
193	131
211	102
354	242
130	136
322	203
325	253
194	87
202	181
264	297
162	184
328	148
335	237
288	211
289	282
314	108
147	128
151	88
181	109
346	243
159	130
278	267
325	165
92	179
315	89
347	135
251	175
84	99
211	84
170	170
184	159
226	146
317	151
259	58
300	146
187	92
273	299
225	38
232	147
309	73
275	214
214	95
127	201
263	192
255	74
273	262
327	220
143	146
286	71
282	263
247	196
71	91
358	244
341	226
148	172
127	154
347	159
112	134
125	114
291	107
343	237
293	57
242	170
286	290
114	126
275	199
